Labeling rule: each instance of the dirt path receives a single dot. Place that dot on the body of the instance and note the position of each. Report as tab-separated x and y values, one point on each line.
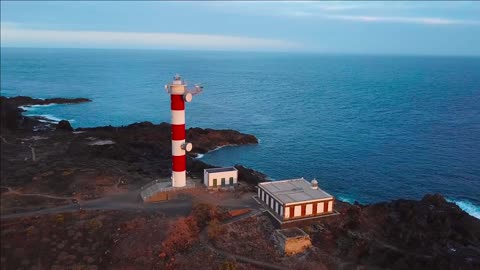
130	201
126	201
14	192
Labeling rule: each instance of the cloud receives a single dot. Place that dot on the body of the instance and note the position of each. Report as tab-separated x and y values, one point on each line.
343	11
415	20
299	14
278	9
13	34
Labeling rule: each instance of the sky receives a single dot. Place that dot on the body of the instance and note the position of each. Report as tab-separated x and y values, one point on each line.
391	27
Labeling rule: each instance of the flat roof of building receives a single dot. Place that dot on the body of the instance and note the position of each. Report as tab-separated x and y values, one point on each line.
294	190
223	169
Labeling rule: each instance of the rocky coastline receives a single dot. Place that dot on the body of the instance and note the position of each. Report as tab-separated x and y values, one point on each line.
88	164
11	111
53	157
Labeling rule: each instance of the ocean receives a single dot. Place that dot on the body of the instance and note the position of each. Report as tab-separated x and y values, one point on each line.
368	128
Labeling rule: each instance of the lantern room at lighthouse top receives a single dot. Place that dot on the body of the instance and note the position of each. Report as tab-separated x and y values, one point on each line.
178	86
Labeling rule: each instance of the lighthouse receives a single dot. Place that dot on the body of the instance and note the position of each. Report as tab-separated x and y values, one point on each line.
179	94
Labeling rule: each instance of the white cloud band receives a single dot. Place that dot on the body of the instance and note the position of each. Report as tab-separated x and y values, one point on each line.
13	35
415	20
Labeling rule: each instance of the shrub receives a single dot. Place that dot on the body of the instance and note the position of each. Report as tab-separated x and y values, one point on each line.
214	229
228	265
181	236
60	219
204	213
95	224
30	231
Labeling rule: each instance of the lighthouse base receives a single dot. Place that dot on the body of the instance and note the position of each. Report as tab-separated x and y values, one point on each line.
179	179
158	191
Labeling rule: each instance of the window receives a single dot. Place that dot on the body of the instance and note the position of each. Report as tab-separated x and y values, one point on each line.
231	181
309	209
215	182
223	182
298	211
320	207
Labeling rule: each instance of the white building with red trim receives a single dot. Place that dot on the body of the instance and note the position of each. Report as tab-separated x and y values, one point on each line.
295	199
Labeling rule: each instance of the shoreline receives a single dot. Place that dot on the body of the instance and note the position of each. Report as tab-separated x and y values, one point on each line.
200	156
29	111
466	205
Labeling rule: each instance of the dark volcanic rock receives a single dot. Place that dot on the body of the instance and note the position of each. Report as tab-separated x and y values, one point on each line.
11	114
24	101
208	139
435	199
427	234
156	139
64	125
144	142
250	176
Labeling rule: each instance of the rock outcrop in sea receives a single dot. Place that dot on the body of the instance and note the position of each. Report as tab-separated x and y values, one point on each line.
11	117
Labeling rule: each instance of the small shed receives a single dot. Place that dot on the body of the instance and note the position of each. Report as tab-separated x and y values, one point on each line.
292	240
226	177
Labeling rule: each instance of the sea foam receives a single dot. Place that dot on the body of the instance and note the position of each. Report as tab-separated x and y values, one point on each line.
49	117
33	107
346	199
467	206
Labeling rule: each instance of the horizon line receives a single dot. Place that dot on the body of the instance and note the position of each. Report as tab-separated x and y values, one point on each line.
250	51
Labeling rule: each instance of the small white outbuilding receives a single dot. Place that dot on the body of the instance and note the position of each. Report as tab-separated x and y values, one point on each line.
226	177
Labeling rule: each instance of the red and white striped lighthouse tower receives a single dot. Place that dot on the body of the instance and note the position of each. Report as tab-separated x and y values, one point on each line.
179	95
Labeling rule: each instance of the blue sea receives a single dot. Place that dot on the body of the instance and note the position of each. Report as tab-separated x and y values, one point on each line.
369	128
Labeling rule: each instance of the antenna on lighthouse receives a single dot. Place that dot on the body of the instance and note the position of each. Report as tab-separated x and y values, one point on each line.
197	89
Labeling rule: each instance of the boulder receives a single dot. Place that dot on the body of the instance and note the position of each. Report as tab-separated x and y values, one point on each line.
64	125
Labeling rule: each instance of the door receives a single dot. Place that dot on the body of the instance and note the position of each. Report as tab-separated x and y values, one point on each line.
223	182
231	181
215	182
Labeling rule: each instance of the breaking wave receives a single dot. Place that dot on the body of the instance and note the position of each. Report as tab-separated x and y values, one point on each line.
33	107
467	206
346	199
50	117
